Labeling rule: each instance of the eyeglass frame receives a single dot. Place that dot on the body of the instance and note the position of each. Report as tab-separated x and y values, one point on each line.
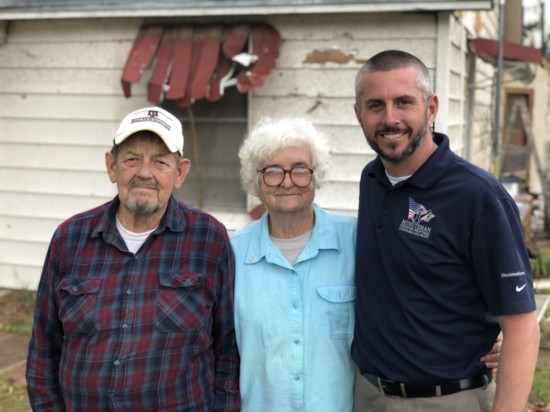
285	172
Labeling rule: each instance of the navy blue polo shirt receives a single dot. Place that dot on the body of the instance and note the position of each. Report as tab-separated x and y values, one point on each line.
438	257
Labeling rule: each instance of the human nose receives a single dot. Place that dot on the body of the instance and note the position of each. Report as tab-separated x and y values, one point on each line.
287	181
391	115
144	170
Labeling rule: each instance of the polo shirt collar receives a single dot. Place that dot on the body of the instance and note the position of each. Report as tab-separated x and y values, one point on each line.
429	173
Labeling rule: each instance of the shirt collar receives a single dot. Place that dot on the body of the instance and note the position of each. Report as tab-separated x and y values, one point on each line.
173	219
323	236
428	174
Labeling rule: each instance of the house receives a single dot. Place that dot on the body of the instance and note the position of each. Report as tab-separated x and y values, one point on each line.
61	97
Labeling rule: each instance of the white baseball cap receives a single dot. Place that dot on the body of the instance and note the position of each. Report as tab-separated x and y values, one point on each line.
157	120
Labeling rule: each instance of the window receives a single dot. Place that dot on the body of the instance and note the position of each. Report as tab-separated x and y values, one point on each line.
213	182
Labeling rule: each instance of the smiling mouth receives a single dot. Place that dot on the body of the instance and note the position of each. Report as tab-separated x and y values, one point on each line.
391	136
288	194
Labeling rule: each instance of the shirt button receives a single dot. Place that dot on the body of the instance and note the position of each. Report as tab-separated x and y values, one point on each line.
296	341
129	291
296	377
75	288
295	305
116	363
124	326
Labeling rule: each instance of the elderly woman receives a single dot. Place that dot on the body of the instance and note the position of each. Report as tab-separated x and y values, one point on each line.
294	289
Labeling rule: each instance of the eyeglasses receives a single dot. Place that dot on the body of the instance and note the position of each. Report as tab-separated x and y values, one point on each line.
274	175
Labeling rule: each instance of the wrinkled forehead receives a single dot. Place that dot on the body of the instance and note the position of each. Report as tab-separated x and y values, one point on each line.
289	155
143	141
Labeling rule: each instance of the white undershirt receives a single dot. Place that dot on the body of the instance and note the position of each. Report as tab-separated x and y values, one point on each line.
291	248
395	180
133	240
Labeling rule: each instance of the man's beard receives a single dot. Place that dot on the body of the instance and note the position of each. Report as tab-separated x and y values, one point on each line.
142	206
414	142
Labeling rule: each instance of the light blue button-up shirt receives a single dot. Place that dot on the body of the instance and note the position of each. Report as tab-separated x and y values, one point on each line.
294	323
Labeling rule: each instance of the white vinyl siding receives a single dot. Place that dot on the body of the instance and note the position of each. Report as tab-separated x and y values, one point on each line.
61	102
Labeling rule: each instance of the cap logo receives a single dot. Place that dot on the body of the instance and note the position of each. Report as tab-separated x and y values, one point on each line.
152	116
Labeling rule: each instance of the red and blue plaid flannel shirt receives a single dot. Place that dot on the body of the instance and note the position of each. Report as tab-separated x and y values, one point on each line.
146	332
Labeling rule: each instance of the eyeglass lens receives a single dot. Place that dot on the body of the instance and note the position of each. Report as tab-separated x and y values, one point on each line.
274	176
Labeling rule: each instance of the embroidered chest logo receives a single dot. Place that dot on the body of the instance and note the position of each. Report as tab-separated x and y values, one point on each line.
416	216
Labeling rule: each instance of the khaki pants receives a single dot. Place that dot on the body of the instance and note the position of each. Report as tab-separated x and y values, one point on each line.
368	398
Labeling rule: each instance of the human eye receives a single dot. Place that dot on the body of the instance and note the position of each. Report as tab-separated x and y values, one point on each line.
162	163
374	105
404	101
131	160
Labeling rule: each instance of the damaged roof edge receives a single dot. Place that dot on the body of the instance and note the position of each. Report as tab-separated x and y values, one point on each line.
36	13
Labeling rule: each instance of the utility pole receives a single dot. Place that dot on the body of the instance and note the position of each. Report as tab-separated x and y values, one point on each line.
544	38
498	87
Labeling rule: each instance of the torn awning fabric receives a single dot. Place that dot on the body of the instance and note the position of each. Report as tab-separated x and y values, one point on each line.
193	62
487	49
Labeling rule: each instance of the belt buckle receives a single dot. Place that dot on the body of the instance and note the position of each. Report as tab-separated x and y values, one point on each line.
383	391
380	386
383	388
403	391
486	380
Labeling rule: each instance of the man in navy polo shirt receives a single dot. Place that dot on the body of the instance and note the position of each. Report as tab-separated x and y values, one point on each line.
441	262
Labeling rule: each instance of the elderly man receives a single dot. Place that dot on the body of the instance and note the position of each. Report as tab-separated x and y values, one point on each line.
135	304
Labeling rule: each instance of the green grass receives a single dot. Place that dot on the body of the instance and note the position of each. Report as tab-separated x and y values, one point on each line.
16	312
13	396
540	391
19	327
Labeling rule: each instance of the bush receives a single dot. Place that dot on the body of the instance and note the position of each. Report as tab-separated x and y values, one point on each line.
540	391
541	264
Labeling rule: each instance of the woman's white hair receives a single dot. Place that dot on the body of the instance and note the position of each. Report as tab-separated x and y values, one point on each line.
270	136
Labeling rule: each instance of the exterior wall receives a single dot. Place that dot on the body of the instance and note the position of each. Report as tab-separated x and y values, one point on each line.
315	77
479	111
61	101
540	87
450	80
541	126
60	105
481	115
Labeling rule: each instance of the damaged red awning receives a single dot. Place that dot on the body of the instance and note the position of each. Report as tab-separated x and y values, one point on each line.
487	49
193	62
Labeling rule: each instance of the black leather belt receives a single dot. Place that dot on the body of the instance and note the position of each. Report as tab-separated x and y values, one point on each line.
404	390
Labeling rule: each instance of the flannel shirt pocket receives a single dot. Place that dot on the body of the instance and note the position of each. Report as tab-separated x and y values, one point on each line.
180	302
77	302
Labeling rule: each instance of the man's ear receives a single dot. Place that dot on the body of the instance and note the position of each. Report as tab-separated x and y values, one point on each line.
433	106
110	164
184	165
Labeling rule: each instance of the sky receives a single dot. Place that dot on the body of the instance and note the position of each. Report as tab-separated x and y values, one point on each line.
531	13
